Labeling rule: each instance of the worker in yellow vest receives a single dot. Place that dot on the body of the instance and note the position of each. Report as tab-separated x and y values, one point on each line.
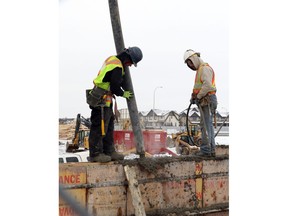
204	96
109	82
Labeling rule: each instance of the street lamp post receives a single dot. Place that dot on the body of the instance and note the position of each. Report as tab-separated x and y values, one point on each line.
154	102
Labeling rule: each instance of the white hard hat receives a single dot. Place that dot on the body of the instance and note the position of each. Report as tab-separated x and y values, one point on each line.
189	53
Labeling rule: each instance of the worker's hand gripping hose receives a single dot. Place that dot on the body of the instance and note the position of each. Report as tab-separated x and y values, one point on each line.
128	94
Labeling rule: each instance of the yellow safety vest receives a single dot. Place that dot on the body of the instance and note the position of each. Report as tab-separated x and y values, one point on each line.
109	64
198	81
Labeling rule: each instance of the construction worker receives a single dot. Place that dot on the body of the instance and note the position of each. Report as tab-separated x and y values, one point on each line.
109	82
204	96
126	125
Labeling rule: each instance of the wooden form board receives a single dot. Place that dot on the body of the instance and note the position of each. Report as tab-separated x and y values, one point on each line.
177	184
72	175
135	191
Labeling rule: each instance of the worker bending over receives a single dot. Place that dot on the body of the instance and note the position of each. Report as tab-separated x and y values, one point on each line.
109	82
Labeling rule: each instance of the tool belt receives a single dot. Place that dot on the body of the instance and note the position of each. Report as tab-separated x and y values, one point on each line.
205	101
95	96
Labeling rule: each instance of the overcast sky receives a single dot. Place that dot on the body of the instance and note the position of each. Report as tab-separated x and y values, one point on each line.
163	29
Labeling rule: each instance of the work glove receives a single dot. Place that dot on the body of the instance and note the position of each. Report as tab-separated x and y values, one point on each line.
193	98
127	94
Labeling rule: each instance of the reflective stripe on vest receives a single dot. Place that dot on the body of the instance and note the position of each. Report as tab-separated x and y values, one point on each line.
109	64
198	81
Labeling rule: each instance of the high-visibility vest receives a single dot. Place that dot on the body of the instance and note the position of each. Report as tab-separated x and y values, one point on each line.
109	64
198	81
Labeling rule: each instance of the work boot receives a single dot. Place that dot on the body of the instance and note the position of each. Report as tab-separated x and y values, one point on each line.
116	156
102	158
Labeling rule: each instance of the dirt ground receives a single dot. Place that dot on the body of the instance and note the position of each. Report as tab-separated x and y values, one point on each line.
66	131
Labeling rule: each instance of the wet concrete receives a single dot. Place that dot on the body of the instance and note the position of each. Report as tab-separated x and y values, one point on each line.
153	164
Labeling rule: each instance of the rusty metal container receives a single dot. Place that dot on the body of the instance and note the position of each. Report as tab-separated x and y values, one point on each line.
124	140
154	140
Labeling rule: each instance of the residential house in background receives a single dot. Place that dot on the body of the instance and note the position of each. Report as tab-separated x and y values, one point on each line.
155	119
165	119
172	119
194	116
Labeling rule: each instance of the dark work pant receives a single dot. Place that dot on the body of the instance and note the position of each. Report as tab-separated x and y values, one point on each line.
97	142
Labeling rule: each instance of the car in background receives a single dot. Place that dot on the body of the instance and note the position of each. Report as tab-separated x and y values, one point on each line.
79	155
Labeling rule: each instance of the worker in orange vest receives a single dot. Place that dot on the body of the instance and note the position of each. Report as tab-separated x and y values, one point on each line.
109	82
204	96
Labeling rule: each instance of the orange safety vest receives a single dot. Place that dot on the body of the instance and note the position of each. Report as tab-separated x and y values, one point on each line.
198	81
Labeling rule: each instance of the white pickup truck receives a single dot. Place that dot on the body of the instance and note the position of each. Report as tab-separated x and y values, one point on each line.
74	157
68	157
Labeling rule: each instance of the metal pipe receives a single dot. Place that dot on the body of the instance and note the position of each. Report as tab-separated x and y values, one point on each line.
131	103
72	202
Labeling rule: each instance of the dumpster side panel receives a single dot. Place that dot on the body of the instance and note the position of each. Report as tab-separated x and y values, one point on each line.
124	140
154	141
